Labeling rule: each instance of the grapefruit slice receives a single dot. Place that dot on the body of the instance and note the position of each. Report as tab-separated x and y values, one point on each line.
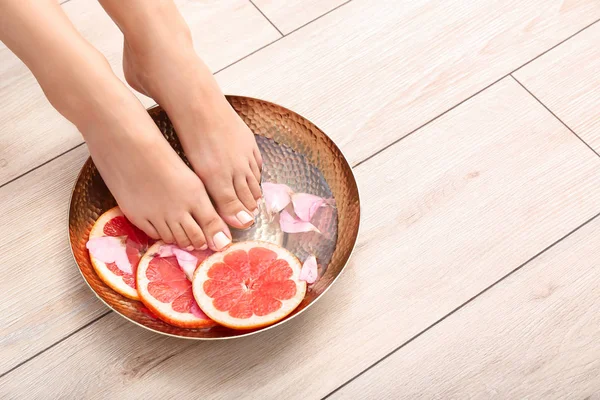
114	224
166	291
250	285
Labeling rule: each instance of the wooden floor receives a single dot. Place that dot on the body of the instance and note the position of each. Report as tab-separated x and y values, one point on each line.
474	131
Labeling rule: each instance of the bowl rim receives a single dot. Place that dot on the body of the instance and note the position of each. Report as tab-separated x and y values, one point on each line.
254	332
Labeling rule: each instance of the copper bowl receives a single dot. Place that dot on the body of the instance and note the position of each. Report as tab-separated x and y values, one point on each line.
295	152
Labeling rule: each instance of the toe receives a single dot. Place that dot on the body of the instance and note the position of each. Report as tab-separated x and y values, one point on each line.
254	187
164	231
148	229
244	193
143	224
254	166
179	234
194	232
215	230
228	205
259	160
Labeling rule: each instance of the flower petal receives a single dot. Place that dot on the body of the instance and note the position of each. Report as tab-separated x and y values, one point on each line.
306	205
197	312
110	249
123	263
290	224
309	271
105	248
276	195
186	260
166	250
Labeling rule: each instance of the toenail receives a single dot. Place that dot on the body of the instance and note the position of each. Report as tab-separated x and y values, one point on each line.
204	247
244	217
189	248
221	240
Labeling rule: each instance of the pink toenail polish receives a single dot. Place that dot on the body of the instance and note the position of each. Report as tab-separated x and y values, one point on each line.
204	247
189	248
221	240
244	217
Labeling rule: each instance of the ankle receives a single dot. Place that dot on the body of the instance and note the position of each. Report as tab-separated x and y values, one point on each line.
75	88
91	99
147	63
184	78
157	39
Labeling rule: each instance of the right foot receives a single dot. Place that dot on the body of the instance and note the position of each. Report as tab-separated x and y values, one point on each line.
220	147
151	184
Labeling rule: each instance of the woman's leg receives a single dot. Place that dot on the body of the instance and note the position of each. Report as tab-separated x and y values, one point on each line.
152	185
160	61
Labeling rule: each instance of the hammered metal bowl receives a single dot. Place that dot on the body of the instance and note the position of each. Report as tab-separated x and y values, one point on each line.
296	153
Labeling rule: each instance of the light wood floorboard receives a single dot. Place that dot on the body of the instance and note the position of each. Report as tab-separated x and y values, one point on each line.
533	336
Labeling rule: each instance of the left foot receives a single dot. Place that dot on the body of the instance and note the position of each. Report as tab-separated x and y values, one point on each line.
220	147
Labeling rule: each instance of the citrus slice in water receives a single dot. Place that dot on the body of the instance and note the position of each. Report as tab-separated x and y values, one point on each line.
121	278
166	291
250	285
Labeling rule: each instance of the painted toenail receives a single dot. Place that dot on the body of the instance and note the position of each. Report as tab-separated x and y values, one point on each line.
204	247
189	248
244	217
221	240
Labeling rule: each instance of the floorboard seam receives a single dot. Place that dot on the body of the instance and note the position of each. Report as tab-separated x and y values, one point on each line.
319	17
555	116
41	165
54	344
267	18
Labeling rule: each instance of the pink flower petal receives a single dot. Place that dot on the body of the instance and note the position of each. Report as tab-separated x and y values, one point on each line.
166	250
290	224
276	195
123	263
105	248
306	205
110	249
186	260
309	271
197	312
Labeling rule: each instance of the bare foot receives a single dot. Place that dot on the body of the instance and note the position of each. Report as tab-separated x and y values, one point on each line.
151	184
220	147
